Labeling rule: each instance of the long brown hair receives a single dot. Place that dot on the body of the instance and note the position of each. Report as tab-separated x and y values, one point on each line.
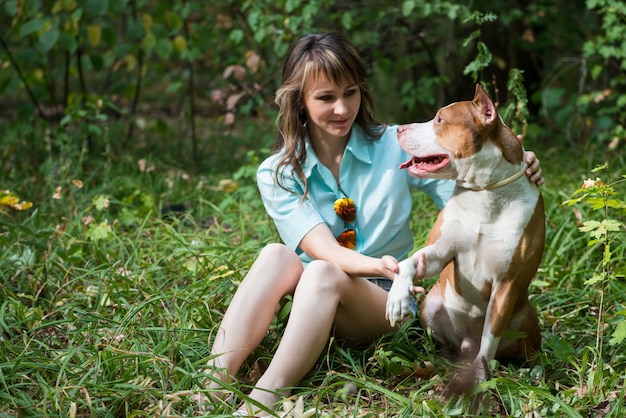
335	57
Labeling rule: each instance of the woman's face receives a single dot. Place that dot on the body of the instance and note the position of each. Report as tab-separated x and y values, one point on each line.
331	109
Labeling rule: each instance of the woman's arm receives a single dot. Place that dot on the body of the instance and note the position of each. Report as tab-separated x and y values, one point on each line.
320	244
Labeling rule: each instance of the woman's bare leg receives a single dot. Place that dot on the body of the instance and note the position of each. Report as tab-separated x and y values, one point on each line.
274	274
325	297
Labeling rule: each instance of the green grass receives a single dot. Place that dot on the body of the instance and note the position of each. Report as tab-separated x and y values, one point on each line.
107	307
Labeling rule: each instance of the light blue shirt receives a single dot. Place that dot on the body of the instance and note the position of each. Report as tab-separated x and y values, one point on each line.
369	174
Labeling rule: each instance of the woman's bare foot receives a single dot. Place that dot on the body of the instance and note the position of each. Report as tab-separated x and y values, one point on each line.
264	397
213	392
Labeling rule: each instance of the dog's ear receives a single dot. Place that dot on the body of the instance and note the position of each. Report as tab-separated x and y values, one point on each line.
486	108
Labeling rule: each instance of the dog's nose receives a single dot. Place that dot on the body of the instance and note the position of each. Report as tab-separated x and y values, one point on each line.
401	130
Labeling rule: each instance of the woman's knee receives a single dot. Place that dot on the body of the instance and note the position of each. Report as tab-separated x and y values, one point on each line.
278	253
277	266
321	276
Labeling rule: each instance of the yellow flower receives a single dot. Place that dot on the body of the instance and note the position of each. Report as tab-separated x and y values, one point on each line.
347	239
345	209
22	206
9	199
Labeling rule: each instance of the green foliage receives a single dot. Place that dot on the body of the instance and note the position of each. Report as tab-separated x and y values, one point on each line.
223	59
607	234
166	49
106	296
605	56
516	113
483	56
97	287
135	127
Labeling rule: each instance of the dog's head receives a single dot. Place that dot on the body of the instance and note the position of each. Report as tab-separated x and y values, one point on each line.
462	138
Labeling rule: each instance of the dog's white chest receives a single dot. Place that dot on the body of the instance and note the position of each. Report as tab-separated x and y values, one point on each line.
484	240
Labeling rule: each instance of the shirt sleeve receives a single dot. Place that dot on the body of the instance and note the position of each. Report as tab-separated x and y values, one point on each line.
293	217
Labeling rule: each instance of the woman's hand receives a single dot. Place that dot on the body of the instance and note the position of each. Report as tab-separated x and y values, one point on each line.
419	261
533	172
390	267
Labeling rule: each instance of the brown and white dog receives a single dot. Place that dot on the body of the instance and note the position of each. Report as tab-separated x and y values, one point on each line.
487	242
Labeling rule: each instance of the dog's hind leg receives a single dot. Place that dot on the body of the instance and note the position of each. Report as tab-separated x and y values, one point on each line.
434	315
525	340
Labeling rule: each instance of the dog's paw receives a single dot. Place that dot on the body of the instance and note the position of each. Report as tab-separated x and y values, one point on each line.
399	300
481	369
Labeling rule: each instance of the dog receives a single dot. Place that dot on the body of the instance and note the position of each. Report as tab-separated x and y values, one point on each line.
486	244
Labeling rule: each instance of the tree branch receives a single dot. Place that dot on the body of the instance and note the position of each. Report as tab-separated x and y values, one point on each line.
139	79
20	74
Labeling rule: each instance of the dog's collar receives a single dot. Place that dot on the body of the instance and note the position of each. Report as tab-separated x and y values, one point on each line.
500	183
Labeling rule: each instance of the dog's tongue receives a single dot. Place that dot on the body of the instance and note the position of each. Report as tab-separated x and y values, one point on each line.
406	164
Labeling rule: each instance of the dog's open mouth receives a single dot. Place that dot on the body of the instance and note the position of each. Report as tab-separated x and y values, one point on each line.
430	164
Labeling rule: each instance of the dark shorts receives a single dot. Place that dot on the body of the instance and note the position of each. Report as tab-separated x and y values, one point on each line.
385	284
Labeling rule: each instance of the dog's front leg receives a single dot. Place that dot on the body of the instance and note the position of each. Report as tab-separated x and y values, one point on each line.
427	262
403	287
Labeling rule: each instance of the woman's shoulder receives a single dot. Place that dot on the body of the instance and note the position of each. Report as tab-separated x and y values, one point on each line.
390	133
272	170
272	161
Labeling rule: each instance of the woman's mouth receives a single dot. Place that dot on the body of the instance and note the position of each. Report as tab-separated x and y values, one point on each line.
341	123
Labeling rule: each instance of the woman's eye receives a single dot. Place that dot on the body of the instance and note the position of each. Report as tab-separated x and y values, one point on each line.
325	98
351	92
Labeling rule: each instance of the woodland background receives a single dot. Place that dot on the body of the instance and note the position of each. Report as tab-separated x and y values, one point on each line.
131	132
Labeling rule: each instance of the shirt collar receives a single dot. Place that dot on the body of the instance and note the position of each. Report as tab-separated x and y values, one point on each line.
357	146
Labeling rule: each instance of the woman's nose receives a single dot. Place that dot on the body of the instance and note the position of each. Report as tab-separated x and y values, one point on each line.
340	107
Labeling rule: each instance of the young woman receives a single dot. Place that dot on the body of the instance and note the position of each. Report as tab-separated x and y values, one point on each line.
342	208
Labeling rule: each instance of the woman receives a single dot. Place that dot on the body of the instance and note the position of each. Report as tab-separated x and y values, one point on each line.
342	208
